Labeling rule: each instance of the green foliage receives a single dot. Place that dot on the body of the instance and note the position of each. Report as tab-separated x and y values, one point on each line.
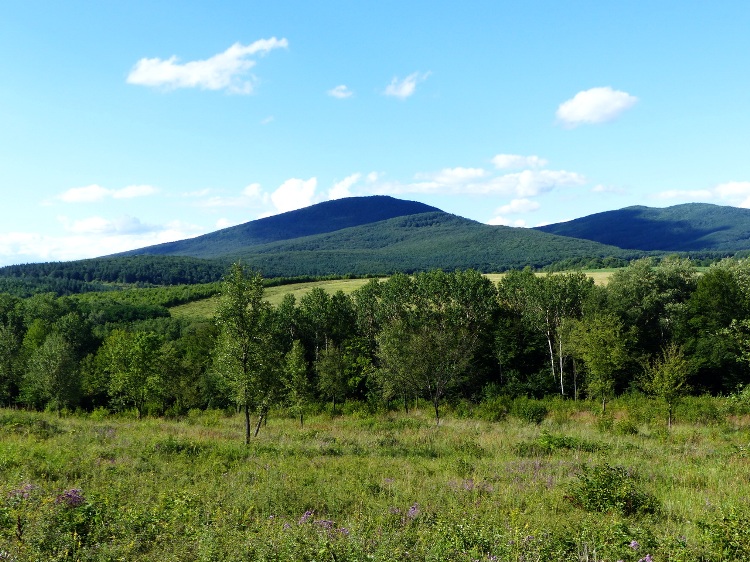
528	410
604	488
666	377
691	226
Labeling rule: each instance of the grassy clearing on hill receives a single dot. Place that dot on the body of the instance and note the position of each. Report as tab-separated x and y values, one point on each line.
206	308
380	486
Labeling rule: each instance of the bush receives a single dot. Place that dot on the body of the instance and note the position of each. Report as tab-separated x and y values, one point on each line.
493	409
530	411
605	488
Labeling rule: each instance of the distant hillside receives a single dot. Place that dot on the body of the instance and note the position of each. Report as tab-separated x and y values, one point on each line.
316	219
688	227
416	243
360	236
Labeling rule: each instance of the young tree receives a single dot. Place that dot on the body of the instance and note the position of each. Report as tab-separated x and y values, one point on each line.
51	378
331	368
246	358
132	361
546	303
600	342
296	381
666	378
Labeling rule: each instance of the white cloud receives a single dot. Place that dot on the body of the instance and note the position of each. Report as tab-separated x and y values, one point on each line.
98	225
341	92
518	206
405	88
294	194
734	193
94	193
224	71
80	242
253	191
226	223
596	105
88	194
343	188
267	120
528	183
503	221
515	162
733	189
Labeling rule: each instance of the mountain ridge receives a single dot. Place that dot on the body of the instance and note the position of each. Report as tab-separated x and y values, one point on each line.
681	228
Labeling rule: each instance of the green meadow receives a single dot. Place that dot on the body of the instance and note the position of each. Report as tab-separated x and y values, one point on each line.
514	480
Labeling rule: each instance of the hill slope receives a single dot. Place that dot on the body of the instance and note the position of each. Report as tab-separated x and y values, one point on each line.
316	219
418	242
688	227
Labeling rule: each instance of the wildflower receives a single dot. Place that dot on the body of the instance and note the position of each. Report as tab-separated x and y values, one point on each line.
647	558
344	531
305	518
413	511
325	523
71	498
23	493
634	545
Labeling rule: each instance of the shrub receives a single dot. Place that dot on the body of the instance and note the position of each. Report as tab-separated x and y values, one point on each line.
493	409
605	488
530	411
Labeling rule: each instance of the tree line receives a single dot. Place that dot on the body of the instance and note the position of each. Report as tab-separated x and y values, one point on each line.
659	327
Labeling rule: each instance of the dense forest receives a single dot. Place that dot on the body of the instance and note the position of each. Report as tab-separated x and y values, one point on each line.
662	328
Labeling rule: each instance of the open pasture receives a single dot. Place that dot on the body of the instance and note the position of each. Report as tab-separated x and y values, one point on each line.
380	487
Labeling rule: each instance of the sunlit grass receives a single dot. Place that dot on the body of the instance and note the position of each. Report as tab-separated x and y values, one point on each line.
375	485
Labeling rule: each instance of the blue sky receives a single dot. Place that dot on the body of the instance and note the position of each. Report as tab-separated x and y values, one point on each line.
125	124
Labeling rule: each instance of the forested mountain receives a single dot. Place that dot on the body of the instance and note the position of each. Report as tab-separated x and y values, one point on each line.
419	243
688	227
382	235
316	219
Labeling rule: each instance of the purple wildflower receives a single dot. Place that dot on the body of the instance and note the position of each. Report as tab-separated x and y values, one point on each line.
646	558
413	511
325	523
344	531
634	545
306	517
71	498
23	493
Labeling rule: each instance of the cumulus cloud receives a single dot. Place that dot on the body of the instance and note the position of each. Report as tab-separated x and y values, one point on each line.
98	225
224	71
597	105
734	193
516	162
504	221
518	206
341	92
343	188
475	181
294	194
94	193
88	238
404	88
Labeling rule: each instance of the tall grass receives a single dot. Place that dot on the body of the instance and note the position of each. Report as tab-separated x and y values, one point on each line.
376	487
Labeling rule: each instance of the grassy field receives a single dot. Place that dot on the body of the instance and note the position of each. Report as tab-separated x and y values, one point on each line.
206	308
380	487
